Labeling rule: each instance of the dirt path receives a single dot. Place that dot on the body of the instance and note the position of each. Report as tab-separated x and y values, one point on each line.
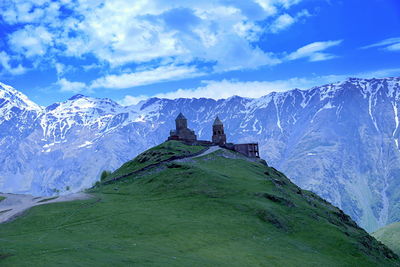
208	151
14	205
175	158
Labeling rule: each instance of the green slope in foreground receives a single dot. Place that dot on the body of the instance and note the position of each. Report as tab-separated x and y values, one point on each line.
390	236
216	210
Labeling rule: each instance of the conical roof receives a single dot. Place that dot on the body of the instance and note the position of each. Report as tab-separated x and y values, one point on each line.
180	117
217	121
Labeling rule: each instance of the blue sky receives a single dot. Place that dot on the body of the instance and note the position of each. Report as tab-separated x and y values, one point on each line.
132	50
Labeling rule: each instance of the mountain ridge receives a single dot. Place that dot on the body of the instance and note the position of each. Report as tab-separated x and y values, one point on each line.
347	132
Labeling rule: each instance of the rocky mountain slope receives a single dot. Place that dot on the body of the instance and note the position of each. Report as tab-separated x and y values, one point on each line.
339	140
390	236
220	209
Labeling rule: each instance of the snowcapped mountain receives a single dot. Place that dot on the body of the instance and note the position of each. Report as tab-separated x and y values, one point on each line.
11	98
16	110
340	140
60	119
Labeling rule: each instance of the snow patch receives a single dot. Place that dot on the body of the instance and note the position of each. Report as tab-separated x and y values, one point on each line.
370	112
326	106
396	118
86	144
139	119
278	119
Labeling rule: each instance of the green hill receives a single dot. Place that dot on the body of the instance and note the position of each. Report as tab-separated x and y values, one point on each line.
390	236
216	210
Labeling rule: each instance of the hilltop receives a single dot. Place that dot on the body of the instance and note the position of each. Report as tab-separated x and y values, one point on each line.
177	205
340	140
390	236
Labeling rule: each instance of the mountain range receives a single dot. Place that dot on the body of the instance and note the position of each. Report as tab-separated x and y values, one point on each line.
339	140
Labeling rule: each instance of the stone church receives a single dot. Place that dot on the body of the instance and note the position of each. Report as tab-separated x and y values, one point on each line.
188	136
182	132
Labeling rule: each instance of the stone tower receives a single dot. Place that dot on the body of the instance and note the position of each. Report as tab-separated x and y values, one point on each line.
219	136
182	132
181	123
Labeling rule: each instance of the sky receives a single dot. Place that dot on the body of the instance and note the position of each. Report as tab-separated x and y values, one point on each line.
130	50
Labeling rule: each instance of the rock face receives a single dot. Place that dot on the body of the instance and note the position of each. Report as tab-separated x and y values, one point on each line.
340	140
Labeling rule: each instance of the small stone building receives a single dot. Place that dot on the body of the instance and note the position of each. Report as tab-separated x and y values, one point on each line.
250	149
184	134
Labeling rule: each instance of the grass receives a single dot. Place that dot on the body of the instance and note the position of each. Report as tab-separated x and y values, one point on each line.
212	211
162	152
390	236
2	198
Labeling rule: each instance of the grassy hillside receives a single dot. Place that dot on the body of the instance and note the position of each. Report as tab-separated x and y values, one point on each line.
390	236
217	210
157	154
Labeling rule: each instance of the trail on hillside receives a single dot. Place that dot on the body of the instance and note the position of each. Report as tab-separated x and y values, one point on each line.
212	149
14	205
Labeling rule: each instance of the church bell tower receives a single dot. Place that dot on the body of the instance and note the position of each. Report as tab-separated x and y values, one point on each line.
181	123
219	137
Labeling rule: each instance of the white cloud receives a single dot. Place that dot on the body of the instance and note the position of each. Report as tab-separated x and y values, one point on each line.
227	88
22	12
68	86
314	51
268	6
288	3
60	69
282	22
30	11
271	6
5	62
379	73
120	32
303	14
31	41
391	44
132	100
160	74
248	30
394	47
